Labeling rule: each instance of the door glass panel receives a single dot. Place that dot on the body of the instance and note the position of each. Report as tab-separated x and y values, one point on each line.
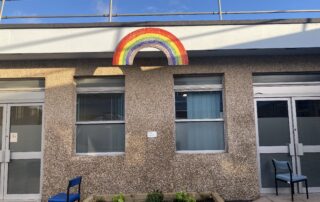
308	119
24	176
310	167
26	123
1	126
267	170
273	123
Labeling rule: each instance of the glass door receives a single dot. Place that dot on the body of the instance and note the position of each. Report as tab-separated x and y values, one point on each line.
289	129
275	139
21	151
307	131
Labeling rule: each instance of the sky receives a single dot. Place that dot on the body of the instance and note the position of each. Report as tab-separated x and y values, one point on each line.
69	7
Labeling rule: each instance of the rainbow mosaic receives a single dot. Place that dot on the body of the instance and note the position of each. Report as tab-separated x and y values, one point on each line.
157	38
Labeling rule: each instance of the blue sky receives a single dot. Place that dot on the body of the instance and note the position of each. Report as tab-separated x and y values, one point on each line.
61	7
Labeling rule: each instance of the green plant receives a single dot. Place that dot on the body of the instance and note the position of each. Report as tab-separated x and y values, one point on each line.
100	199
184	197
118	198
155	196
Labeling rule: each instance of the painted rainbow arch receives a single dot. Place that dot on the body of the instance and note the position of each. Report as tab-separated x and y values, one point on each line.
157	38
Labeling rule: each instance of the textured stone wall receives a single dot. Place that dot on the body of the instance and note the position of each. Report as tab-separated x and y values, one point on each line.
149	105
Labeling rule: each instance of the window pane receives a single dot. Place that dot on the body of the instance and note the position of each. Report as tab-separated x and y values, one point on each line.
197	80
101	82
22	83
199	105
199	136
99	107
288	77
273	123
100	138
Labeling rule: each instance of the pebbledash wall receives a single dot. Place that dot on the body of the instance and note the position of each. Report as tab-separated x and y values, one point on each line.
149	164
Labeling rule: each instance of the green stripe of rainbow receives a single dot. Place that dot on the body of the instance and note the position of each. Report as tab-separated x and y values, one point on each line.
150	37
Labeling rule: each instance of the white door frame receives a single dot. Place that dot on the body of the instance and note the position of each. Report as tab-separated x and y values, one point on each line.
19	155
303	148
274	149
2	165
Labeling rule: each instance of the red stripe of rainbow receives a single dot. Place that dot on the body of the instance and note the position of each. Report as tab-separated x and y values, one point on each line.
150	37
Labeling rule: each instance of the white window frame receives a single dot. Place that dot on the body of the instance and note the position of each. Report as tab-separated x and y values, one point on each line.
98	90
200	88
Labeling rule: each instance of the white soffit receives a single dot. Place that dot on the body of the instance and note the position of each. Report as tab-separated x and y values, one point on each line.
194	38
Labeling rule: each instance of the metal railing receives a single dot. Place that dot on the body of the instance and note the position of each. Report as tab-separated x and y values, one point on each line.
110	15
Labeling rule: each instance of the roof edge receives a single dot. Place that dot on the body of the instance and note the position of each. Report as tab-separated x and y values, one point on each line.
160	24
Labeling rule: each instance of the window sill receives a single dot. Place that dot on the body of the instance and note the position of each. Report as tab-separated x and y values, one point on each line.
200	151
102	154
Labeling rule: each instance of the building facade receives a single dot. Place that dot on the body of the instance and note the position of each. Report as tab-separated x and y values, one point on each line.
249	93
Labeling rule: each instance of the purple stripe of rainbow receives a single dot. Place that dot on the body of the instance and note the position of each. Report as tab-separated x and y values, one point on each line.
150	43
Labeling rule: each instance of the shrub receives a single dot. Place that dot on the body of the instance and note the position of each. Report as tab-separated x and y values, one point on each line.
118	198
184	197
155	196
100	199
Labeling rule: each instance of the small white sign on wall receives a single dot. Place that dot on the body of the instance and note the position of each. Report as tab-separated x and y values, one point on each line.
13	137
152	134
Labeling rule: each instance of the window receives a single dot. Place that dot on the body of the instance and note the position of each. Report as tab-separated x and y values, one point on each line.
23	83
199	113
100	115
299	77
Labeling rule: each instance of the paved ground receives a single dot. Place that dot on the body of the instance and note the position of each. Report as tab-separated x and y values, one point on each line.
287	198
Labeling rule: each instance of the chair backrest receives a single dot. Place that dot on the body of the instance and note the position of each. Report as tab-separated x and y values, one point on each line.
281	166
74	182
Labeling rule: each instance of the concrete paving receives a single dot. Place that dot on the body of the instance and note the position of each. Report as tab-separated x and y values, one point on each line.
314	197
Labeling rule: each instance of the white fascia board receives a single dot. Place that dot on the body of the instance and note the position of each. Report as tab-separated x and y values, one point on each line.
194	38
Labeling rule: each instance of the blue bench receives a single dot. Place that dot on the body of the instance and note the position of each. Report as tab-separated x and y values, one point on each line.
68	197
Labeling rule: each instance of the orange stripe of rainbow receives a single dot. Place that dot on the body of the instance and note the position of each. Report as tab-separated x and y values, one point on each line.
150	37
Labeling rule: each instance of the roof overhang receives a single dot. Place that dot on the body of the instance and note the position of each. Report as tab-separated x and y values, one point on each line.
200	38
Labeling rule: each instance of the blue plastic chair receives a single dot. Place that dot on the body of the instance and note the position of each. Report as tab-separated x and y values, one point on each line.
68	197
283	172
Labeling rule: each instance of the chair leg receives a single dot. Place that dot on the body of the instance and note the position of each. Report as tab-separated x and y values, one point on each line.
276	182
292	191
307	192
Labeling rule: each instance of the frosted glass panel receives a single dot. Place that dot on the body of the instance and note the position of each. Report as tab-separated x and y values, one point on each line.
273	123
22	83
1	126
197	80
199	136
100	82
100	138
308	119
310	166
24	176
26	121
274	78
